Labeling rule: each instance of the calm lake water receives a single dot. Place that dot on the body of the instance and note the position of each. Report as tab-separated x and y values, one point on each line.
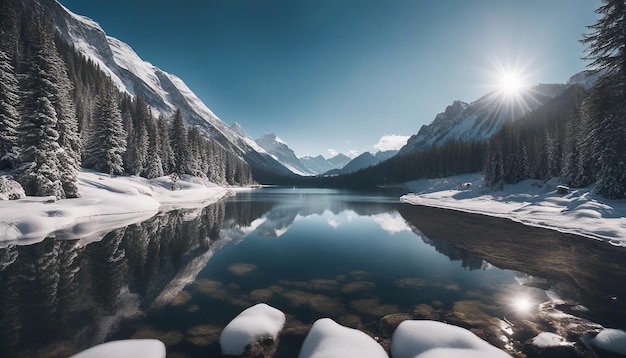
182	276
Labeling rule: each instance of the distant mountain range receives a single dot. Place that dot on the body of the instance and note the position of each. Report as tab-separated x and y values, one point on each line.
364	160
302	166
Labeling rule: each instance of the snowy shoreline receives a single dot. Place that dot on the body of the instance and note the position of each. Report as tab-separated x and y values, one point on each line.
106	203
530	202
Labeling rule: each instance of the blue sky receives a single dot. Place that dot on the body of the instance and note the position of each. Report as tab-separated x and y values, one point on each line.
340	74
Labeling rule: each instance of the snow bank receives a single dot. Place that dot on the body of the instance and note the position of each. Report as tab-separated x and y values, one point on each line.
612	340
529	202
255	323
328	339
430	339
145	348
106	203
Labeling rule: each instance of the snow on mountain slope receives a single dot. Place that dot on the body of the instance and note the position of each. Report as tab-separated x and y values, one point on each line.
364	160
281	151
320	165
163	91
480	119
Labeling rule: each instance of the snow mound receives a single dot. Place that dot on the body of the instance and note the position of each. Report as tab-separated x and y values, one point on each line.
612	340
260	321
145	348
548	339
327	339
10	189
430	339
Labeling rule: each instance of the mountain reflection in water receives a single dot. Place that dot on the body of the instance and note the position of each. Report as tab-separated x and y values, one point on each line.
361	259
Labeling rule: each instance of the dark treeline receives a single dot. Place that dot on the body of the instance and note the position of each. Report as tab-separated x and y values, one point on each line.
536	145
454	157
59	112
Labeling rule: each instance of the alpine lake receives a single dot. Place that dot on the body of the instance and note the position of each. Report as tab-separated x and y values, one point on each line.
363	259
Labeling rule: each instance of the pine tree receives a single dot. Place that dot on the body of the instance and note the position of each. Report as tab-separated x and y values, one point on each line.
165	148
9	114
180	145
606	105
39	171
67	125
107	139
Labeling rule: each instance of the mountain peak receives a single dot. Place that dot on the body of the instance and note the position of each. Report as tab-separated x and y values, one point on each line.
480	119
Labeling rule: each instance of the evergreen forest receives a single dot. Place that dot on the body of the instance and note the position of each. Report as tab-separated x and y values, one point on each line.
59	113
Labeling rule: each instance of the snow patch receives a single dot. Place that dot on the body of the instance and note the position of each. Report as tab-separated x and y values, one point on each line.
145	348
548	339
612	340
257	322
430	339
327	339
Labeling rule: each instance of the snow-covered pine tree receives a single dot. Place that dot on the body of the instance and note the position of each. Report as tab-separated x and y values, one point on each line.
606	105
9	114
180	145
154	166
107	139
39	170
165	148
67	124
136	157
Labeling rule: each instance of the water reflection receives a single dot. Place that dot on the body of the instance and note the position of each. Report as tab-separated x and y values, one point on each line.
181	276
59	296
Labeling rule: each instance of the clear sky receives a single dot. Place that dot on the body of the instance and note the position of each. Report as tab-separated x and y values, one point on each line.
340	74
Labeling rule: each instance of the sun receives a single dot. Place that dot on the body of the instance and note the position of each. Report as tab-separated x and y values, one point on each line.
511	83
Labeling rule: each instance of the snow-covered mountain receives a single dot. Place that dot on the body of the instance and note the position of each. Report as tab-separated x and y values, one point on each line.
364	160
320	165
305	166
480	119
163	91
281	151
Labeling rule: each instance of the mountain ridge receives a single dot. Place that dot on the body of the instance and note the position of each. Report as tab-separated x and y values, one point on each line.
164	92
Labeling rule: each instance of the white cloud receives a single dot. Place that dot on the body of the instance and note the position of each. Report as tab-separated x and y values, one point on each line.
391	223
333	152
353	153
391	142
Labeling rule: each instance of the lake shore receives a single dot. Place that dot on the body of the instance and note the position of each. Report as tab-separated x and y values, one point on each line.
573	266
531	202
105	203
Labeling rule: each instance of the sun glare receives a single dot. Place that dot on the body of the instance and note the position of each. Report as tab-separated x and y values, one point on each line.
511	83
522	304
510	80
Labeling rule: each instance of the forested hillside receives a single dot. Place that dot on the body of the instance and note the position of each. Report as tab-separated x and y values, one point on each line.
59	113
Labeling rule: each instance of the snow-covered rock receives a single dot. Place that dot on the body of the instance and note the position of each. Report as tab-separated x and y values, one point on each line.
258	322
144	348
10	189
327	339
432	339
612	340
548	339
